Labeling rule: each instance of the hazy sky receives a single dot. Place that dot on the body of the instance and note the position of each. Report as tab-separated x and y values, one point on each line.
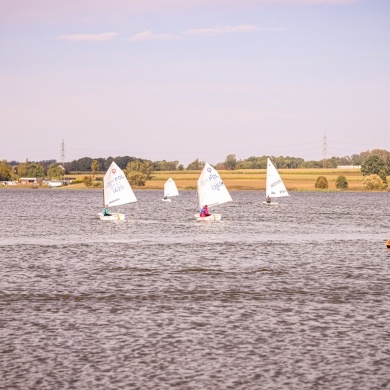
185	79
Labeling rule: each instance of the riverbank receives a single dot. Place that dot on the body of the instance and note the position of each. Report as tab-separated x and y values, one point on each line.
245	179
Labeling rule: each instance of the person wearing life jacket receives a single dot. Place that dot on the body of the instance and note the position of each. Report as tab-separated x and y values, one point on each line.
105	211
204	211
268	199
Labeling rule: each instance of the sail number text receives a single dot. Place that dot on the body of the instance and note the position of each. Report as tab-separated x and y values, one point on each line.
214	177
115	184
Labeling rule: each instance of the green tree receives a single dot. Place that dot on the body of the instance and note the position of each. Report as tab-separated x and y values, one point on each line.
321	182
136	178
356	159
82	164
252	163
373	165
230	162
166	165
55	172
145	167
35	170
108	162
373	182
22	169
5	171
384	154
387	162
122	161
196	165
95	167
341	182
311	164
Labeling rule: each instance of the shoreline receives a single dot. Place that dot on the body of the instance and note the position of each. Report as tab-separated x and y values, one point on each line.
295	180
136	188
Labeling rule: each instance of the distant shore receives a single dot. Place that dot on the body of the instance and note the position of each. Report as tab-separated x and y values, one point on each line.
246	179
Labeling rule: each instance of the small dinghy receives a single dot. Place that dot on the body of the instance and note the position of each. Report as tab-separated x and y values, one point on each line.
274	186
116	192
211	192
170	189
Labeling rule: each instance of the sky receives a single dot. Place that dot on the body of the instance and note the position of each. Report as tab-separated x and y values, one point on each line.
185	79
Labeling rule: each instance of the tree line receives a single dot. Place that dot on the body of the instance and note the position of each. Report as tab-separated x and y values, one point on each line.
376	161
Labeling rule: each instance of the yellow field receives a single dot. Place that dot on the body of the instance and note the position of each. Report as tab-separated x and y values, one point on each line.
254	179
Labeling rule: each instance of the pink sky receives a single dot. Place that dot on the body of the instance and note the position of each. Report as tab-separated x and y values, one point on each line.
181	80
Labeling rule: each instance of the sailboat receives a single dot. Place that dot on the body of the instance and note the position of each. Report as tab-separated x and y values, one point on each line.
274	186
117	191
211	192
170	189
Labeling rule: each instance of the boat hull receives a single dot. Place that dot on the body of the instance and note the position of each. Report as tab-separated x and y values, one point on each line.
270	203
210	218
167	200
112	217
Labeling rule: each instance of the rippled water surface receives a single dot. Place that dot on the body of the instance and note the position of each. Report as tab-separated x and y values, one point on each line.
287	297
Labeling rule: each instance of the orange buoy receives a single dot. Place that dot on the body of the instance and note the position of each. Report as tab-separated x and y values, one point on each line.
388	243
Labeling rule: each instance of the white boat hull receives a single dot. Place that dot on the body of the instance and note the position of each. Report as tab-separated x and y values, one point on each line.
212	217
112	217
167	200
270	203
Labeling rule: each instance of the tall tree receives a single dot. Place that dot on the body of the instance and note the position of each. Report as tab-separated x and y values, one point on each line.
145	167
22	169
55	172
230	162
5	171
196	165
95	167
35	170
373	165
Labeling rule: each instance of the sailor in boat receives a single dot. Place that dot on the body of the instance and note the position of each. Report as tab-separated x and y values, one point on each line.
105	211
165	197
204	211
268	199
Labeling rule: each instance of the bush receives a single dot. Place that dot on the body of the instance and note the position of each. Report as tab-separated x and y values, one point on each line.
341	182
136	178
372	182
88	181
321	182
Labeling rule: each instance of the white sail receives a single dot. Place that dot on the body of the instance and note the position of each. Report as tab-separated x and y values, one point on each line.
274	186
211	189
170	188
117	190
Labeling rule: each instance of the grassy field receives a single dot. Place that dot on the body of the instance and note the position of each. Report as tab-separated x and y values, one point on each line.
254	179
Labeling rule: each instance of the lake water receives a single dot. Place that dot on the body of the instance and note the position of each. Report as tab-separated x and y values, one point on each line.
287	297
